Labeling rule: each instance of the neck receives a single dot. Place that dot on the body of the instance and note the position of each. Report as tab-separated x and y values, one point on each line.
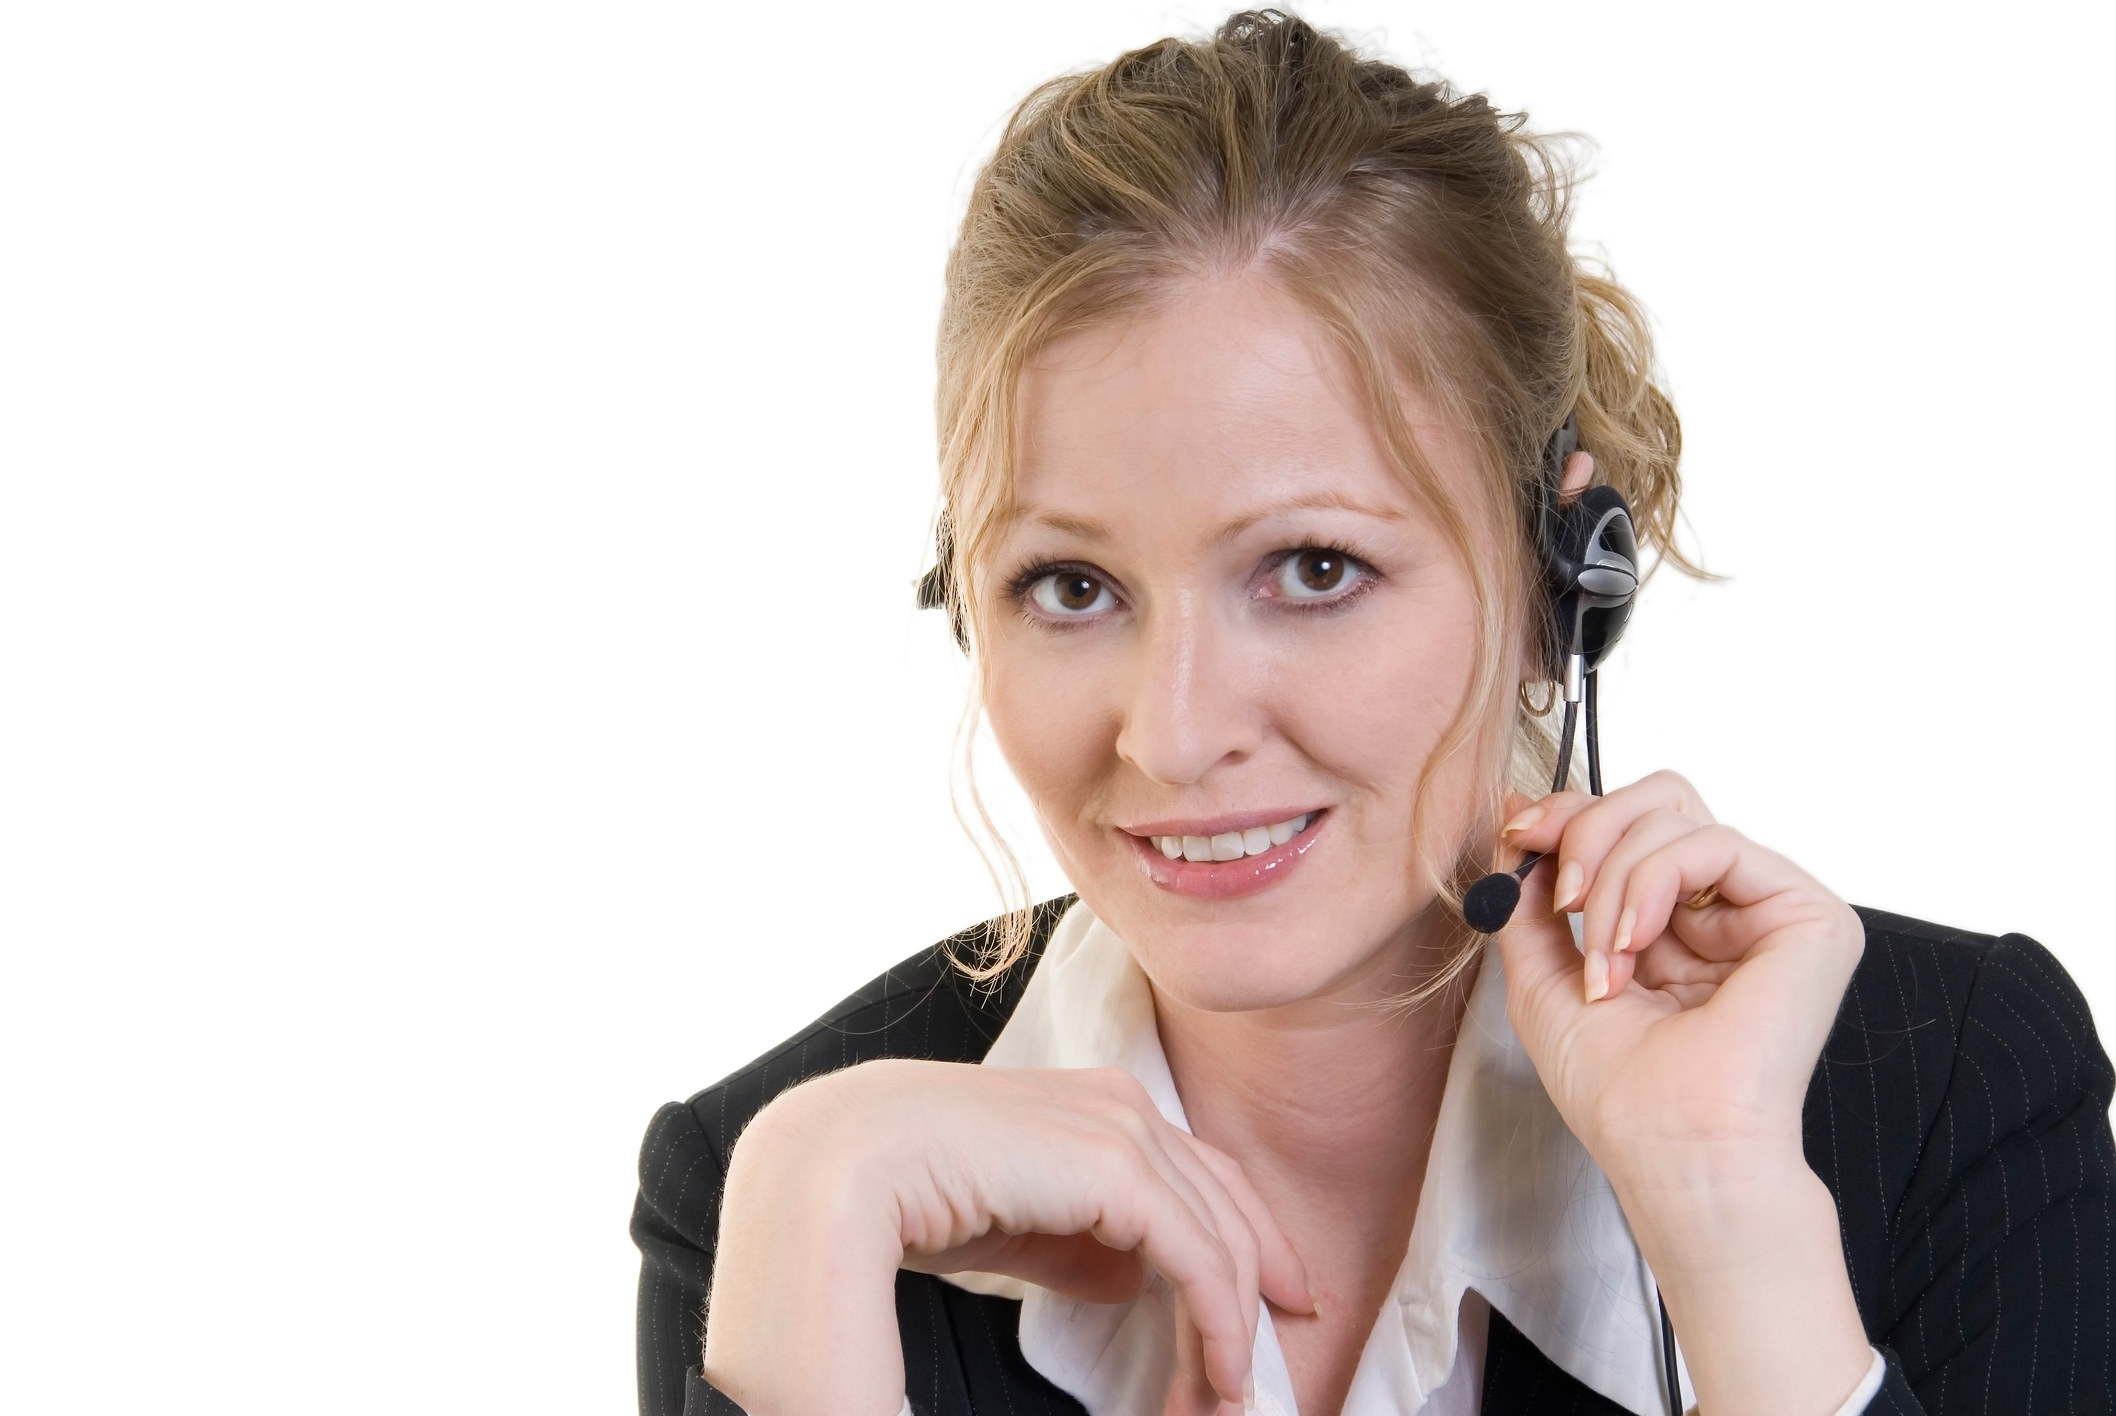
1329	1107
1332	1097
1332	1091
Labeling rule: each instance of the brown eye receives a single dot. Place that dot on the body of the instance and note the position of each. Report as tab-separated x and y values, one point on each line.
1316	573
1320	571
1069	594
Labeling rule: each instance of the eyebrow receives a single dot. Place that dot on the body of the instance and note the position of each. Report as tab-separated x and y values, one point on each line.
1089	529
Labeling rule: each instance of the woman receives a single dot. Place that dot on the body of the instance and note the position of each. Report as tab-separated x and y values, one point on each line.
1258	371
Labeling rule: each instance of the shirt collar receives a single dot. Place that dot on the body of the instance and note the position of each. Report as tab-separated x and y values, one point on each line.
1512	1206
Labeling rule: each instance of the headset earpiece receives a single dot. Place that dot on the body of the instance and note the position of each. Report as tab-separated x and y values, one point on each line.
936	588
1590	563
1590	567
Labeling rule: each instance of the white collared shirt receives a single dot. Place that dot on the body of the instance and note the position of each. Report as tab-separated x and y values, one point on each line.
1513	1213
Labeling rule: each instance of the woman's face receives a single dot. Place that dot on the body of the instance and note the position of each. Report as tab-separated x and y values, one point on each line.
1219	625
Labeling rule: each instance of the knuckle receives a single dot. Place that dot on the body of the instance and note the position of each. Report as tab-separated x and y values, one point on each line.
1656	873
1594	831
1132	1092
1221	1164
1692	801
1134	1127
1120	1118
1113	1082
1121	1226
1115	1155
1673	781
1854	931
1724	836
1225	1268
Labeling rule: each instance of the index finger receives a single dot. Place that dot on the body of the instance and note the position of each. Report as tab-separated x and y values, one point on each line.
1282	1277
1582	829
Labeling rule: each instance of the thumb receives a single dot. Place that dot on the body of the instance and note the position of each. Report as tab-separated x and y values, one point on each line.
1541	960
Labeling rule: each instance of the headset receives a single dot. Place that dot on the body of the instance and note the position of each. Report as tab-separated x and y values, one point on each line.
1588	552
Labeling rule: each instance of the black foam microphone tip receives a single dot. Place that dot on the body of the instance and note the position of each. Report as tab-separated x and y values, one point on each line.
1489	903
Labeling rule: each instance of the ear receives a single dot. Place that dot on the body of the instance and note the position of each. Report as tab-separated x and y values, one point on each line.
1579	471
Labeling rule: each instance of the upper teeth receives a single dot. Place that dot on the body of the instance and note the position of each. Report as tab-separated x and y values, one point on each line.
1232	845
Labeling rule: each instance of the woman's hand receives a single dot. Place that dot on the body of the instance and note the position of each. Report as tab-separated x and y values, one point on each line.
1678	1042
1068	1179
1735	995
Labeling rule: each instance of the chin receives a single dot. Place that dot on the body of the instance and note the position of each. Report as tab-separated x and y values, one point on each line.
1247	956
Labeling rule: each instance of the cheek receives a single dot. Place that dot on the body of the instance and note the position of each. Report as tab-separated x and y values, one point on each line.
1375	706
1053	723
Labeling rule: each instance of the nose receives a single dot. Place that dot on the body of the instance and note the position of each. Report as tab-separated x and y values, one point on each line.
1192	702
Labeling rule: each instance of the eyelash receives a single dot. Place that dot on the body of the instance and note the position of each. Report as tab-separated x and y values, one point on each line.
1025	579
1369	577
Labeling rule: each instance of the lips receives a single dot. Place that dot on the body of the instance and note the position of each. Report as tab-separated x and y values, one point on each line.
1236	859
1231	845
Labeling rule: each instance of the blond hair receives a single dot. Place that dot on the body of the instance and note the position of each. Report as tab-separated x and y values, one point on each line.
1427	233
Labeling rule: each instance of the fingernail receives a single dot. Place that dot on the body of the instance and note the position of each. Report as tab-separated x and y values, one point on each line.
1624	923
1522	822
1597	975
1249	1392
1568	885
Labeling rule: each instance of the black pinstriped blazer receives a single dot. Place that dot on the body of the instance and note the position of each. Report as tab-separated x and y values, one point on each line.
1959	1114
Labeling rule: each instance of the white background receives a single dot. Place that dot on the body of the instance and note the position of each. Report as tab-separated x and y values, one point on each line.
464	466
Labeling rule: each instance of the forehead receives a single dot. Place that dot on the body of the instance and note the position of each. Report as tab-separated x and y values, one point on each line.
1227	396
